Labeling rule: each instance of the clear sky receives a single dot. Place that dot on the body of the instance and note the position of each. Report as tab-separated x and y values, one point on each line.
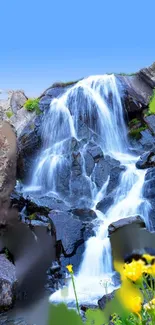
42	41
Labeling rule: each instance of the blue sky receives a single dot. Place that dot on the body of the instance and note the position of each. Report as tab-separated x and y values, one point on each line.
43	41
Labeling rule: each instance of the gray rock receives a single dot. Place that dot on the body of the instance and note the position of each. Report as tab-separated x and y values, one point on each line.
105	204
7	282
68	230
147	140
21	119
146	160
150	121
95	151
113	227
136	93
29	144
84	214
105	167
17	100
106	298
44	103
148	75
89	163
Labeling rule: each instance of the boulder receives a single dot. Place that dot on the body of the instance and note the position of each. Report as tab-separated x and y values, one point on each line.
150	121
147	140
113	227
105	167
136	93
105	203
17	100
146	160
7	282
69	230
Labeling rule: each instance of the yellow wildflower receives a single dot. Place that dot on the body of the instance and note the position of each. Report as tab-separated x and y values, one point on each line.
134	270
69	268
149	269
130	296
135	304
148	257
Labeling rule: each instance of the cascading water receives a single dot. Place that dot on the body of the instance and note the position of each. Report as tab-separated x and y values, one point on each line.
94	102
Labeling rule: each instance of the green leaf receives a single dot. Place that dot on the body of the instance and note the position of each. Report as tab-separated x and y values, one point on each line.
61	315
94	317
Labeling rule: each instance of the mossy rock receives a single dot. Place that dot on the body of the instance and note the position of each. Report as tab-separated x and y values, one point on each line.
136	133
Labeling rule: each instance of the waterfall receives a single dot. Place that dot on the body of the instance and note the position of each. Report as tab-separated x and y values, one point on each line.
94	102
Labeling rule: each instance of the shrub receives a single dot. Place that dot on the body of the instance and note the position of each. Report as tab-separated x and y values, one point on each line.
9	114
152	103
32	104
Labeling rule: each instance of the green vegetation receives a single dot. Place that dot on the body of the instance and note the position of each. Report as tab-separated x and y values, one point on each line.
152	104
136	133
32	216
9	114
134	122
32	104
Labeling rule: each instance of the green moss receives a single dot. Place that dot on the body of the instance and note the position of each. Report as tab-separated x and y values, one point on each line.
152	104
136	133
32	104
9	114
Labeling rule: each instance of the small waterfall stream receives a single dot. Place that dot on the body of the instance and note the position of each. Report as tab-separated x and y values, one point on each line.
95	101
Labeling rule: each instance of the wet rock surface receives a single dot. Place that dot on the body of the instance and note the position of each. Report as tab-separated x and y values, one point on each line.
146	160
7	282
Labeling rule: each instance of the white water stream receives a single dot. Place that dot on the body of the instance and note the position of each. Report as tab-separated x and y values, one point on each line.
96	100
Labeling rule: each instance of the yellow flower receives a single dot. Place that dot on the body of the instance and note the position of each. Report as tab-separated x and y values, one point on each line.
134	270
69	268
130	296
135	304
148	257
149	269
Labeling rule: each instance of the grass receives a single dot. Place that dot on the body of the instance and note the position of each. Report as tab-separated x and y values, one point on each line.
9	114
32	104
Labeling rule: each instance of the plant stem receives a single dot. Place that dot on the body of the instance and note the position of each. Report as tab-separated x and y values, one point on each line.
77	304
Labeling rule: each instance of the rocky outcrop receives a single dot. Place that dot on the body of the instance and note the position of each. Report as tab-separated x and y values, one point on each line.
71	232
7	163
148	75
29	144
17	100
7	282
11	102
137	90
